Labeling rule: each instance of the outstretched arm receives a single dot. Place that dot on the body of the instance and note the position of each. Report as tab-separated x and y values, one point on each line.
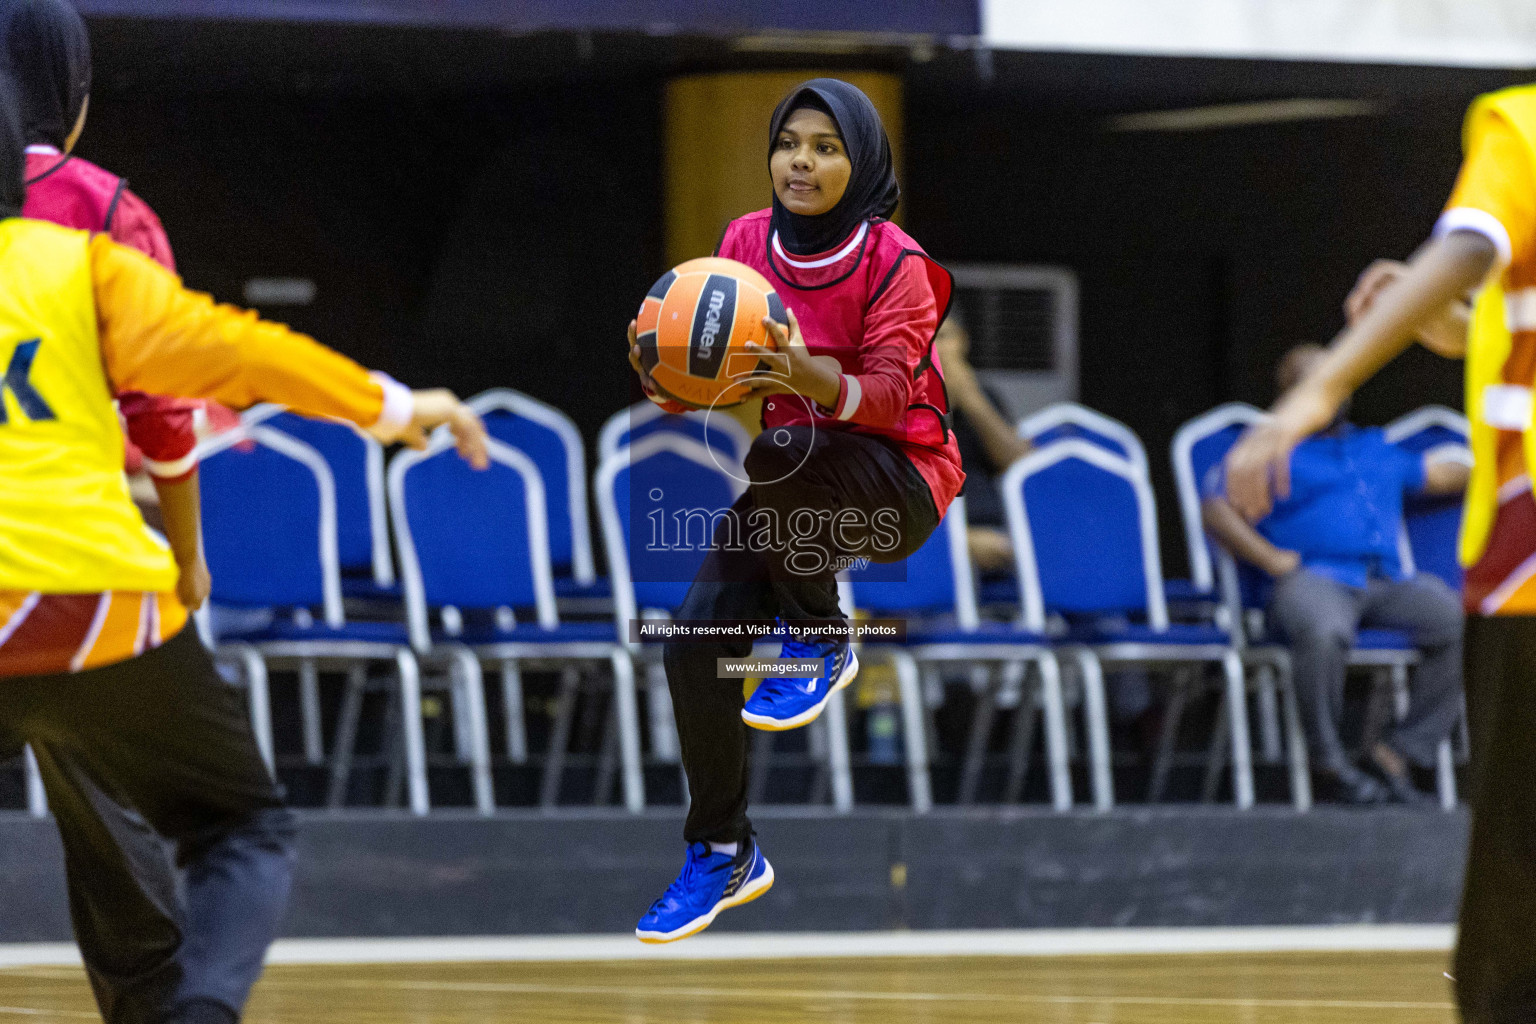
1258	467
157	336
1443	333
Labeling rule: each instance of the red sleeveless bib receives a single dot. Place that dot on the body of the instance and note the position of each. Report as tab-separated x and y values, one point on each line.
874	304
69	191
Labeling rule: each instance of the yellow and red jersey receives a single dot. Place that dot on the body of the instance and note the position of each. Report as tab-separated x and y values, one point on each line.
1495	195
82	318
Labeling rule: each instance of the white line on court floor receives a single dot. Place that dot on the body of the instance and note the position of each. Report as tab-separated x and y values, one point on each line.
729	946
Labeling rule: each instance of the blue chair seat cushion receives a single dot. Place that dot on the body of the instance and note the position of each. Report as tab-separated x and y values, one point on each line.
565	586
364	588
1186	591
998	590
602	631
287	631
1140	633
948	631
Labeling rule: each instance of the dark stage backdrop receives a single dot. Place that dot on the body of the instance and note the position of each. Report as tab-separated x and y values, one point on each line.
1202	256
496	225
469	241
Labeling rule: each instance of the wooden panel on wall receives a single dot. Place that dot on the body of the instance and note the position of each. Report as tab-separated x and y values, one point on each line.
716	147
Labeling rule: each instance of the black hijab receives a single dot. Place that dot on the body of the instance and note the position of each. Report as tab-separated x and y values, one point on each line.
872	190
13	159
44	45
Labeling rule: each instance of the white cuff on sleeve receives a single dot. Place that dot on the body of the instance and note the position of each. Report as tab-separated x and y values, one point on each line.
173	469
851	398
1470	218
399	408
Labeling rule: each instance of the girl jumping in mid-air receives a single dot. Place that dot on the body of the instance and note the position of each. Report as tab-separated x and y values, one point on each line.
856	459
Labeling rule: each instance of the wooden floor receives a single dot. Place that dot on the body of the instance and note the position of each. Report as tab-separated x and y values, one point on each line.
1310	988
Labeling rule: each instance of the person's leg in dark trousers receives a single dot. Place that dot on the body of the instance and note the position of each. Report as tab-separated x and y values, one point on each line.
1495	965
826	488
794	470
732	585
123	902
1426	609
1318	618
159	746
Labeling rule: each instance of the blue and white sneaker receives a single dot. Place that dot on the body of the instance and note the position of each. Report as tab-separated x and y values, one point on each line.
789	703
710	883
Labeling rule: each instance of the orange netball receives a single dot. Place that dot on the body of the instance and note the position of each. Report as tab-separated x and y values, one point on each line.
694	326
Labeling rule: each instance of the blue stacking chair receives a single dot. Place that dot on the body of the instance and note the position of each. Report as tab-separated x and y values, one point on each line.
357	466
1198	447
718	430
1084	528
269	526
1066	420
934	589
668	481
1201	445
1057	422
1063	420
475	550
356	462
643	488
551	439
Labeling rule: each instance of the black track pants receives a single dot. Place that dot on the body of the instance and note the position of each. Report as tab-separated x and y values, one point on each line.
818	486
152	755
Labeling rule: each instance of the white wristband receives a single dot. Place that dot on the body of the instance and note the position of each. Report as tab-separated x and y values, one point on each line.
855	392
399	408
174	468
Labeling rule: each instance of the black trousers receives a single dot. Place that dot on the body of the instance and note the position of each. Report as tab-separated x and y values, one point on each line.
142	760
1496	951
818	487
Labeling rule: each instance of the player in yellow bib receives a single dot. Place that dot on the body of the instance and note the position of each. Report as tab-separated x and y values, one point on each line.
137	738
1484	241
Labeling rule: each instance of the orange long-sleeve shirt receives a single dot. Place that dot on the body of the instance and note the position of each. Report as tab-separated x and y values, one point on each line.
159	337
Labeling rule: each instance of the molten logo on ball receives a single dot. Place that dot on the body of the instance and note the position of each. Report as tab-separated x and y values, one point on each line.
695	324
716	311
712	319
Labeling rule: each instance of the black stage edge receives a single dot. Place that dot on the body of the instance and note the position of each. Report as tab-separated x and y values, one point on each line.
375	875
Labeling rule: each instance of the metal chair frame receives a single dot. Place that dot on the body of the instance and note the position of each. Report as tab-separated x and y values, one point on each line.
1063	413
256	656
583	569
1090	659
1201	565
511	657
908	662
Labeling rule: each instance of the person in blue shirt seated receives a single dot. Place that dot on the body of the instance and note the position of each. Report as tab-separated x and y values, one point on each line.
1331	548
